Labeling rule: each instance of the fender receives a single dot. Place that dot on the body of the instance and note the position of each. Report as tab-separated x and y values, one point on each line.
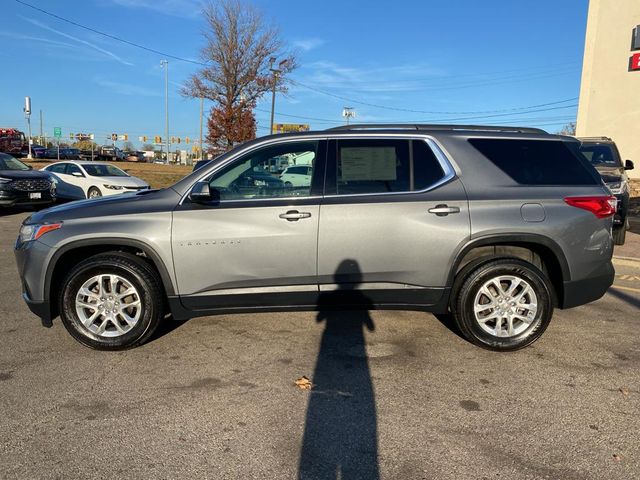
125	242
511	238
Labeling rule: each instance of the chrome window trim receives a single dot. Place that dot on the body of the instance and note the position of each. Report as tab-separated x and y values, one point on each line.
443	159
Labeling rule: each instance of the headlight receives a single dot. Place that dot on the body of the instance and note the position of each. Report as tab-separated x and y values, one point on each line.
36	230
4	180
617	187
112	187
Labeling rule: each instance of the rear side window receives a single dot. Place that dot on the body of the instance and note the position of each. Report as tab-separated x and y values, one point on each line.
536	162
385	165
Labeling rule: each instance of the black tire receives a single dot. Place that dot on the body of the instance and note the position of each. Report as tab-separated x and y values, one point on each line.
619	235
139	274
94	192
471	280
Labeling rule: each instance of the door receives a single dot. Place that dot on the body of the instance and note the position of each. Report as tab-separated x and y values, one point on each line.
256	245
393	216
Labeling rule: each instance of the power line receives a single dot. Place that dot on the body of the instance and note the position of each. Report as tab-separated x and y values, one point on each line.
108	35
386	107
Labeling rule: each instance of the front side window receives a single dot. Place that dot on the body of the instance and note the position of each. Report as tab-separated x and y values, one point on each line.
58	168
74	169
251	177
366	166
102	170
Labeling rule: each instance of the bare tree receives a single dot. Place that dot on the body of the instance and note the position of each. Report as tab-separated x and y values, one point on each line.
568	129
239	46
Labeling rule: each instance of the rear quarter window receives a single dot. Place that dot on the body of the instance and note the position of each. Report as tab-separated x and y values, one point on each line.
537	162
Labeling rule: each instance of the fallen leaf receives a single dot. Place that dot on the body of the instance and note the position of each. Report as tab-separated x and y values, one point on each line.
624	391
617	457
304	383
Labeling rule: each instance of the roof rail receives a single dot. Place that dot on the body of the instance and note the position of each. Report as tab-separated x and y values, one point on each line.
437	126
595	139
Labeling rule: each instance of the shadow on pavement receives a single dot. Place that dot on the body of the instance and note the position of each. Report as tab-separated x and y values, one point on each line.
340	436
625	297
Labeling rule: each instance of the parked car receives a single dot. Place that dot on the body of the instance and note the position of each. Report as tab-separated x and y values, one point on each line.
77	180
20	185
64	153
37	151
603	154
297	176
496	226
199	164
135	157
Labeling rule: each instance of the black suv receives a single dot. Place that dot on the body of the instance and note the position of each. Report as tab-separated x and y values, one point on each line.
604	156
20	185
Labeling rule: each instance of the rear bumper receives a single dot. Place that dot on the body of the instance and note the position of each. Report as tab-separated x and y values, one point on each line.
580	292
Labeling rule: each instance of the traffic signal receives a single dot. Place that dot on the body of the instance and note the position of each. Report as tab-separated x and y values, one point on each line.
126	137
157	139
187	140
114	136
144	138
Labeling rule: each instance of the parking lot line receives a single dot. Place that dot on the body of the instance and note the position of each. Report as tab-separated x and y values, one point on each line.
626	288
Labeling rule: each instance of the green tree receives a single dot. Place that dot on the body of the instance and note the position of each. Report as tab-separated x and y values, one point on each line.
85	145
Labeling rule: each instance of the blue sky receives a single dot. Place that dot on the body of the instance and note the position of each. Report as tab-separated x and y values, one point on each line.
453	59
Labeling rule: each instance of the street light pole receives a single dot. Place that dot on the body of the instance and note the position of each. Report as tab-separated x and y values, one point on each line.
27	114
276	72
165	65
201	115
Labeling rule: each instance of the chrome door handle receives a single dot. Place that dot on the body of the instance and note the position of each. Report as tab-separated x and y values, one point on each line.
443	210
294	215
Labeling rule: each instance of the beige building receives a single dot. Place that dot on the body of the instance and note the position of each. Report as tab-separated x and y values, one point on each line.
610	89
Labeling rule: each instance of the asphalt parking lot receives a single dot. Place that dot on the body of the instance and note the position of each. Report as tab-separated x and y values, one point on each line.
406	398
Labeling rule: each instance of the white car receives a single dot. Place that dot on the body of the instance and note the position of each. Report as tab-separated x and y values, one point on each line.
77	180
297	176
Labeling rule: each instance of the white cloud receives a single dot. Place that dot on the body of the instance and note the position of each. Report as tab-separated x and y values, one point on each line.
48	41
106	52
307	44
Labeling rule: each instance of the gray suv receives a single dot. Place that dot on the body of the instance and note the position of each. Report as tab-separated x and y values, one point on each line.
496	226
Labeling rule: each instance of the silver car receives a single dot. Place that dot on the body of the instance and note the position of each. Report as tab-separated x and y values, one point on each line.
496	226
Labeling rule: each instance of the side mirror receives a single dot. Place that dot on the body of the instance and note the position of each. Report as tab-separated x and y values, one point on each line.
628	165
202	193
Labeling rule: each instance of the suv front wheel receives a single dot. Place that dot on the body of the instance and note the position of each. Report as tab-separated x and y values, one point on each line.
111	301
504	304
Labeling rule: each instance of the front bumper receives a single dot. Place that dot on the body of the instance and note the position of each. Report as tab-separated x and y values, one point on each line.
15	198
32	259
580	292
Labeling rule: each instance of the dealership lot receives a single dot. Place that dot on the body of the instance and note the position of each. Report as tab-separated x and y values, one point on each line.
214	397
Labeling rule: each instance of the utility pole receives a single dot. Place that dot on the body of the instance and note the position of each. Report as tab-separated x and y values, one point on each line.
165	65
276	72
348	112
27	114
201	115
43	142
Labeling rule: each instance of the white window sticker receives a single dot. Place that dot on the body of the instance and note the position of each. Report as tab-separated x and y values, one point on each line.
368	163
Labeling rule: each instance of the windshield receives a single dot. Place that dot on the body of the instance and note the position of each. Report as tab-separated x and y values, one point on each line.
600	155
7	162
103	170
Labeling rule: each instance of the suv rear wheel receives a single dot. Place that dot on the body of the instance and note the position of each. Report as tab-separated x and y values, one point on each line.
504	304
619	234
111	301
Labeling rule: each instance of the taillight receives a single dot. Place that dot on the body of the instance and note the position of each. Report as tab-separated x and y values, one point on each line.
601	205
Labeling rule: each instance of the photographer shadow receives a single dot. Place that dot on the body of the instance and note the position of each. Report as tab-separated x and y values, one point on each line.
340	438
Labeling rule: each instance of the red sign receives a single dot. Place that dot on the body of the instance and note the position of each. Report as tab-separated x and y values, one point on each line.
634	64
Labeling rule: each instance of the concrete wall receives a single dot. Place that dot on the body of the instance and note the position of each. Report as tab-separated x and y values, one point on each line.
609	93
